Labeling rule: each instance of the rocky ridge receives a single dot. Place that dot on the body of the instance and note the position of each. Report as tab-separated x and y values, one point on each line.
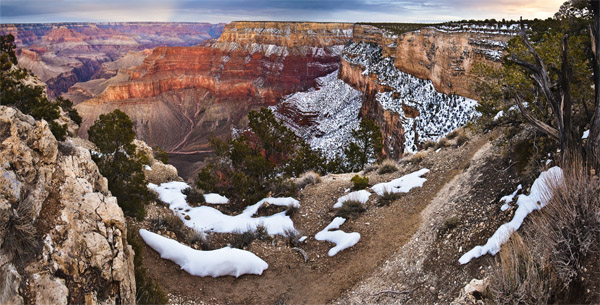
53	192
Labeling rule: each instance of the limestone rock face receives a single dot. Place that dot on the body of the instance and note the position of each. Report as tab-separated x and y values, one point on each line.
156	172
79	248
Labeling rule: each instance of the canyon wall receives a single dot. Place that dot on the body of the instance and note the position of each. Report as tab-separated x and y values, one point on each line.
63	54
179	96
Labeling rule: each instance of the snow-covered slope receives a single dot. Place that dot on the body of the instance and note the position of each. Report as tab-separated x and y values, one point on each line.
438	113
323	116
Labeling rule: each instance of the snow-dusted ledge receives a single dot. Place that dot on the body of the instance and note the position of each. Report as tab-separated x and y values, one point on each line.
215	263
538	197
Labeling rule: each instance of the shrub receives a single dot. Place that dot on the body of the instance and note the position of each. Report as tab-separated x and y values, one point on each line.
359	182
441	143
366	145
387	198
194	197
552	259
350	208
262	233
291	210
428	144
462	139
58	130
449	224
243	240
172	223
308	178
453	134
418	157
292	237
21	236
387	166
199	239
161	155
148	291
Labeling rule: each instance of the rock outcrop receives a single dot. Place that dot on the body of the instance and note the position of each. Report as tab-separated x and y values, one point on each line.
63	235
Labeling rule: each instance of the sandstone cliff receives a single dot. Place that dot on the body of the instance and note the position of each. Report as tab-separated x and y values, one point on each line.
63	235
179	96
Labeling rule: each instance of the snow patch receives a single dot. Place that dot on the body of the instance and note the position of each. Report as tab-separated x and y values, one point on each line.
403	184
341	239
215	263
361	196
537	199
213	198
586	134
204	218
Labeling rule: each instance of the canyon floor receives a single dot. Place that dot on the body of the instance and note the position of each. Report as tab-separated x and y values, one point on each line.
408	251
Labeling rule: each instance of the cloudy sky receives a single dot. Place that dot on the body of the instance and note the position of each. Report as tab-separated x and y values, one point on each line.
27	11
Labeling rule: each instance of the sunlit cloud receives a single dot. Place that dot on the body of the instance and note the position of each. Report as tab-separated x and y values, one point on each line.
18	11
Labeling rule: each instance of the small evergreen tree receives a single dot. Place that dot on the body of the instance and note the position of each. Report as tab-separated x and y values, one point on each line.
118	161
367	145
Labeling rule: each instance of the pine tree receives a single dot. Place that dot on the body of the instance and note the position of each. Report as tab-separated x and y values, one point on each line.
367	145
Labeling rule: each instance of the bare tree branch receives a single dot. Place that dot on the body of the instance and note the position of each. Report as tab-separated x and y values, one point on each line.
541	126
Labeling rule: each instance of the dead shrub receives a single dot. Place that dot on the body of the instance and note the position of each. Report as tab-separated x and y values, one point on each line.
462	139
442	143
428	144
387	198
553	260
418	157
262	233
292	237
449	224
172	223
21	237
522	277
350	208
308	178
242	240
388	166
453	134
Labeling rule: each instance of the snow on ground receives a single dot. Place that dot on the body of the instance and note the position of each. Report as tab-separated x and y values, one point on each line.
361	196
439	113
341	239
215	263
329	112
538	197
403	184
213	198
204	218
586	134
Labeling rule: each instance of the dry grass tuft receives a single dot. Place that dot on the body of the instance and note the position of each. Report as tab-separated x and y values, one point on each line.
554	259
387	166
350	208
308	178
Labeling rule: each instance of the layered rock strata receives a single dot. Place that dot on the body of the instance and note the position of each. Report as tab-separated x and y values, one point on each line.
179	96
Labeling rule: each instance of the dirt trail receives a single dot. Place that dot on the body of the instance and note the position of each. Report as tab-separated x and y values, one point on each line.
322	279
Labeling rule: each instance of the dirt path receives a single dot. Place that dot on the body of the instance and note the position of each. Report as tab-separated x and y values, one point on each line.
289	280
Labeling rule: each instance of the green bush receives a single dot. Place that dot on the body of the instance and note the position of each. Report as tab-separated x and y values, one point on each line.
350	208
58	130
194	197
118	161
360	183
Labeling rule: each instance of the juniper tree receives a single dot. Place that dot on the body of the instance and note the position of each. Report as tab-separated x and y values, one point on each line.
367	145
118	161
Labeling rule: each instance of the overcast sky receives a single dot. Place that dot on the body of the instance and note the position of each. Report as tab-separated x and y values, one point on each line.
27	11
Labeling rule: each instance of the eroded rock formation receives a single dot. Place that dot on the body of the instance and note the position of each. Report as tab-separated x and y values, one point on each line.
179	96
63	235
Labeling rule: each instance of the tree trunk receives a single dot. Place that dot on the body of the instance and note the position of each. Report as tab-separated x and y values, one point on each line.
593	145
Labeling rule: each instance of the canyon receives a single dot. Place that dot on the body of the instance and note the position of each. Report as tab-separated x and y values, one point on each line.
320	78
62	54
